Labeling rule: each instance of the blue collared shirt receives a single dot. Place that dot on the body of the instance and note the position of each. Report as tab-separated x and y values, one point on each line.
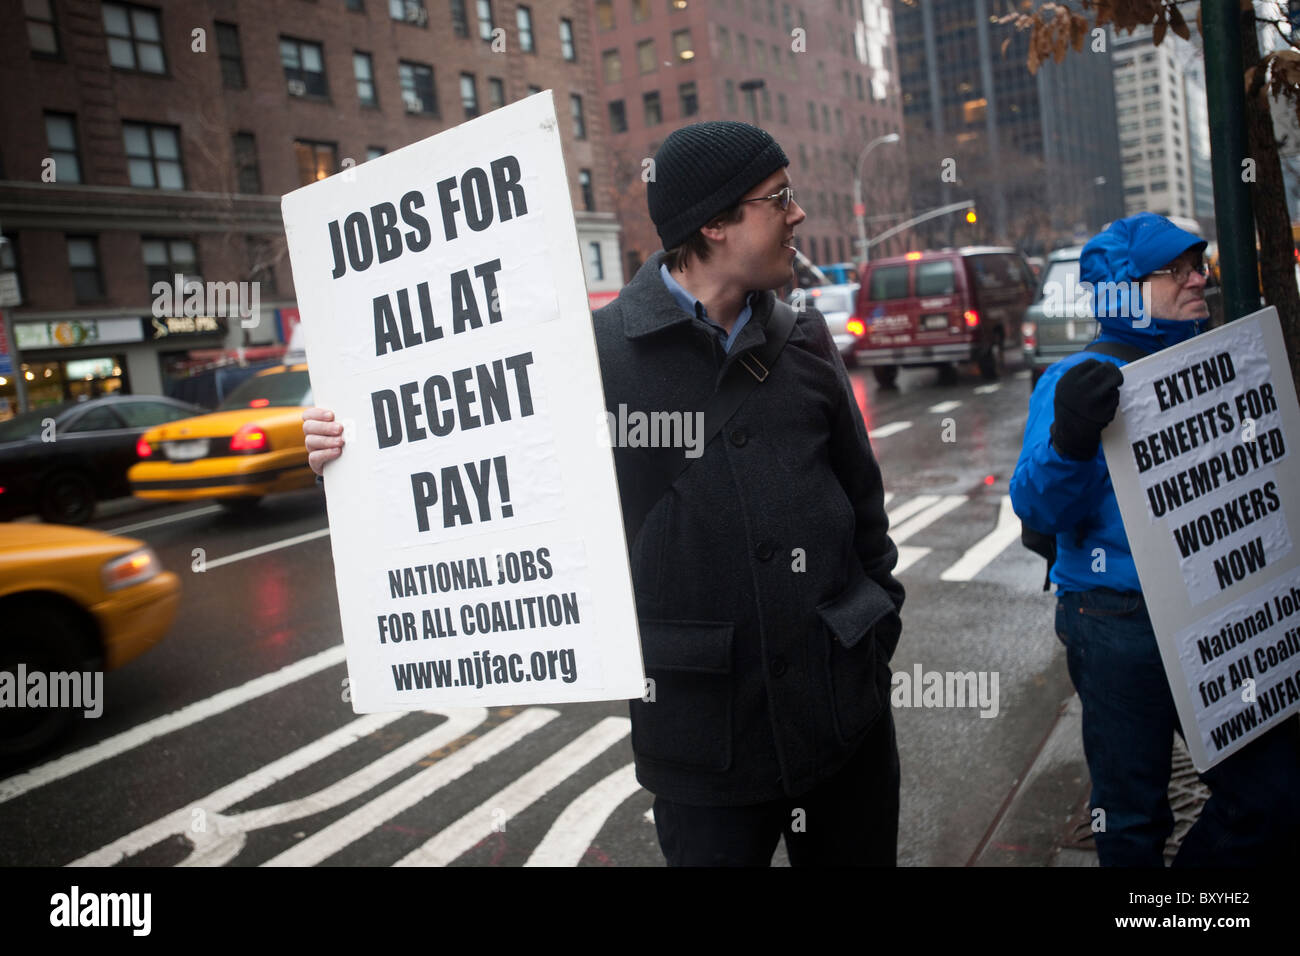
695	307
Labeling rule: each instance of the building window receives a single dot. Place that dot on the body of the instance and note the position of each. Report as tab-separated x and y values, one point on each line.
617	117
611	62
682	46
316	161
595	262
675	5
605	14
654	113
356	6
459	19
645	56
83	259
533	90
469	95
742	48
767	104
232	61
374	152
812	114
729	93
640	10
408	11
61	135
588	196
524	20
165	258
579	123
153	156
364	68
567	49
782	112
247	177
485	23
689	99
419	95
496	93
134	38
42	37
724	43
304	67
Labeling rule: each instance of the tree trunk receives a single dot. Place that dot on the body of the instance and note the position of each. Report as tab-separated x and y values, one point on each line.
1268	201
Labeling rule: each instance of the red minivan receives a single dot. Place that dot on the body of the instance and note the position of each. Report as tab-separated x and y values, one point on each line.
937	308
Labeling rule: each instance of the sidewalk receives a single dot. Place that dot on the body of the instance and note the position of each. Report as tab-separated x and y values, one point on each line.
1045	819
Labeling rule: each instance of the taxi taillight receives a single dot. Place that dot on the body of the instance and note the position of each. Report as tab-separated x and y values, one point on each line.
249	438
143	449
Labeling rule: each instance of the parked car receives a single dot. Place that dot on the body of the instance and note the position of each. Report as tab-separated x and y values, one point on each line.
835	303
59	460
73	600
937	308
1060	320
250	447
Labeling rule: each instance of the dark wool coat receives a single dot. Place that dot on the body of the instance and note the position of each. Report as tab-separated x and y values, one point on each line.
767	609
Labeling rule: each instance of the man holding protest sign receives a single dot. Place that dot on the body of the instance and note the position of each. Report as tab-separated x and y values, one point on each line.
758	545
1148	279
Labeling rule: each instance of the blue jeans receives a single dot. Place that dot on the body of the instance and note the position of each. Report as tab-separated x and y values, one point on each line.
1128	725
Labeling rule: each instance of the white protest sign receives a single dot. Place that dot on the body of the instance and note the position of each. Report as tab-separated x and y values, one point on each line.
1200	458
474	516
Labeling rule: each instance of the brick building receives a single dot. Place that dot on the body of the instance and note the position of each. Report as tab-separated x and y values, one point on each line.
142	140
818	75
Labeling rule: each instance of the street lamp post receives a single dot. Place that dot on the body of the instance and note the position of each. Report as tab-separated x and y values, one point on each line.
859	210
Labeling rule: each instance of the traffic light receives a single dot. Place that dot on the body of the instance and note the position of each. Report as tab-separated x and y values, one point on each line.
970	215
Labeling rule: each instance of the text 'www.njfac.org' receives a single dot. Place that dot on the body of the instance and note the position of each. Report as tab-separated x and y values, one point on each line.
484	667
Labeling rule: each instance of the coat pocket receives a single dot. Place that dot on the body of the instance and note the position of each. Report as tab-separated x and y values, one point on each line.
687	718
854	665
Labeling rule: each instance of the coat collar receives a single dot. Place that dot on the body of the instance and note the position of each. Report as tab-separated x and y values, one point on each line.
648	307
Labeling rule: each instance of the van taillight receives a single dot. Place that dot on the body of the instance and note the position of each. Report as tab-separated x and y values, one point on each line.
972	318
1029	332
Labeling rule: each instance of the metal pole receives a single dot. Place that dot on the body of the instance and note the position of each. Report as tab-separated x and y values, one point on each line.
1233	217
857	189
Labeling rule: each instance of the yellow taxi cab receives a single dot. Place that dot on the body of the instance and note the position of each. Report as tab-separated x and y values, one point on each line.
251	446
72	602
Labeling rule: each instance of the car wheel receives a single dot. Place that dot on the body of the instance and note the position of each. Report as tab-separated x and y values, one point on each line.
240	506
67	498
991	361
45	640
886	375
947	374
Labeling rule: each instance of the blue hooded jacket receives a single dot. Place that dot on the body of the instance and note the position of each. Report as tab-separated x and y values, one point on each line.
1074	499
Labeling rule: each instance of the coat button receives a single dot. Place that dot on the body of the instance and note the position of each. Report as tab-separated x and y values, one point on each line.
777	667
739	437
766	548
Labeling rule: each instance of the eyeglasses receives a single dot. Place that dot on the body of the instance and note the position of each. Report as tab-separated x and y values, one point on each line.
1182	271
784	197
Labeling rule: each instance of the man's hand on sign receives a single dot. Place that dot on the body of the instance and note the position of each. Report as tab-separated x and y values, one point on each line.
1086	399
324	437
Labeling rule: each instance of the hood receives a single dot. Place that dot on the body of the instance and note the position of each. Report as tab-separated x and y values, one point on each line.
1114	260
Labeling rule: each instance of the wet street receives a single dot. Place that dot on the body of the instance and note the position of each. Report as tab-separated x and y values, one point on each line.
231	742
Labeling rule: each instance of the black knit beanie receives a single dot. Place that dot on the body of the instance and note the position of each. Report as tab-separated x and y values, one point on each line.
704	169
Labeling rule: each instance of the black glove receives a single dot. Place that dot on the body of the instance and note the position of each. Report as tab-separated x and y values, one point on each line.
1086	398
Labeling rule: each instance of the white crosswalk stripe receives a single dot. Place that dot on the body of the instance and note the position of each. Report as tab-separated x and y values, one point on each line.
982	553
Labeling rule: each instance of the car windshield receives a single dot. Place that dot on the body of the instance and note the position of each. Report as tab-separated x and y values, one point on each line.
279	388
833	300
29	424
1061	293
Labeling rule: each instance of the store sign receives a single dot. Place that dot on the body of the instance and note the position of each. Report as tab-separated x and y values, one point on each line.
77	332
171	326
6	354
